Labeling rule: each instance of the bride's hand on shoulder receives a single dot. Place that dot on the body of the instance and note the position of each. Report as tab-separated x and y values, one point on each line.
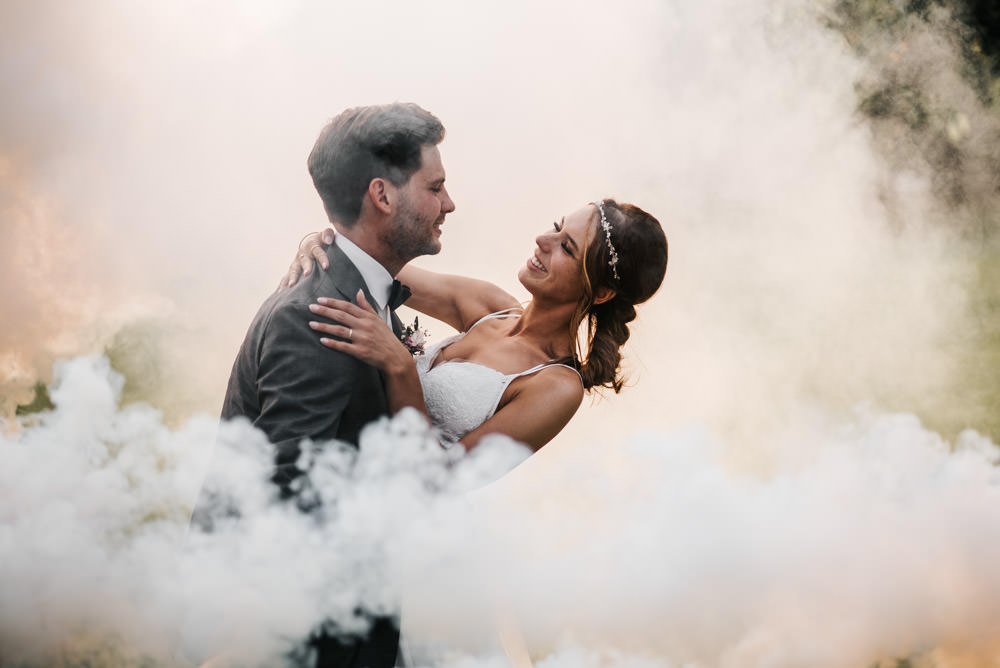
362	333
312	247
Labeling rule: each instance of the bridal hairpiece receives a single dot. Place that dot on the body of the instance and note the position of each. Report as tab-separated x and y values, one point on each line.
606	226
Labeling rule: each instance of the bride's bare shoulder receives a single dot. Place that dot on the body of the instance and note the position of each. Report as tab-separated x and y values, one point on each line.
557	384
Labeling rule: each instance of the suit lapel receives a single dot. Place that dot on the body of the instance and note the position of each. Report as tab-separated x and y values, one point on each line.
345	276
397	324
347	280
397	329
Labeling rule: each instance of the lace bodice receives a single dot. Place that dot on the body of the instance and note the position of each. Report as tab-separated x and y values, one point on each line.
462	395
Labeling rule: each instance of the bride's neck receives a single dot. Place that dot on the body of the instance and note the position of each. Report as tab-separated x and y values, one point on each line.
547	327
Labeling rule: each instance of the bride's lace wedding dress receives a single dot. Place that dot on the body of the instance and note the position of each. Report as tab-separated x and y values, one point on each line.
460	395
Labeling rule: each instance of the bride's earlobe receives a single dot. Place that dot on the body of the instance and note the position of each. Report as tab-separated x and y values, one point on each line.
604	294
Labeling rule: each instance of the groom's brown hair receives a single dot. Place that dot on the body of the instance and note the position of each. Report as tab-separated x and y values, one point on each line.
363	143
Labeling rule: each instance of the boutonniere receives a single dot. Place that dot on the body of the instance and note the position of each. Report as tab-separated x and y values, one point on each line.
414	338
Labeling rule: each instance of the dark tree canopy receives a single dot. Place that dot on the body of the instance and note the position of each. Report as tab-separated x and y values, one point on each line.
984	17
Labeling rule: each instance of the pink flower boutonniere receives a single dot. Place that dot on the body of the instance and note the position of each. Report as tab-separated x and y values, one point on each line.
414	338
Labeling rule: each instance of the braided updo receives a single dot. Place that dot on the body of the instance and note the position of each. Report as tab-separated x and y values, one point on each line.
641	246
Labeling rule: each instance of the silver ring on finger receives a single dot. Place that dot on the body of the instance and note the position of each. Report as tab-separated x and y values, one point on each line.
350	334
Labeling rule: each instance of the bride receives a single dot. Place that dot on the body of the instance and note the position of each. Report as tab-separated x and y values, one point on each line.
512	370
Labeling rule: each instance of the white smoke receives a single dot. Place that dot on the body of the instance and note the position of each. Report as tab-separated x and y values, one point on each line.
96	551
870	539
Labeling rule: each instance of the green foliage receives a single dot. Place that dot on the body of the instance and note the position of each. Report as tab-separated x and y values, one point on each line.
931	95
903	101
859	20
984	17
40	403
864	23
136	352
981	366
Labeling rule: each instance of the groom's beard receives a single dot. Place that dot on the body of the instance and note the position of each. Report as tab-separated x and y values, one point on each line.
412	234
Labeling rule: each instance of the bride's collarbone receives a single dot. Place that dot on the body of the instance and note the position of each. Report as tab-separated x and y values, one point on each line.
494	350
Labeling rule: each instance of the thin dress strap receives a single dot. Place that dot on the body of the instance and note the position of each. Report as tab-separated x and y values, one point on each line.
507	312
509	379
543	366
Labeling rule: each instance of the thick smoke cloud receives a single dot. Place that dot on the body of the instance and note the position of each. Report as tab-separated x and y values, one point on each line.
98	557
878	543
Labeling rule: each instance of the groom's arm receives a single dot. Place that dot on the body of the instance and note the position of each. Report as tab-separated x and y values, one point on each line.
303	387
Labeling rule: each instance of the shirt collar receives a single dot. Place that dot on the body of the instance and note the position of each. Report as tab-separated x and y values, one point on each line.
376	277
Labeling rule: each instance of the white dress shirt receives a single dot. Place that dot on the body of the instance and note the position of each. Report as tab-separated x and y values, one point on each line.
376	277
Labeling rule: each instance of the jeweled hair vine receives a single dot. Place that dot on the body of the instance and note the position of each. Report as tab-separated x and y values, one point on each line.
606	226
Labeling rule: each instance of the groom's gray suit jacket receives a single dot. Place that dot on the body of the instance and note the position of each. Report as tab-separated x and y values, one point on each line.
290	385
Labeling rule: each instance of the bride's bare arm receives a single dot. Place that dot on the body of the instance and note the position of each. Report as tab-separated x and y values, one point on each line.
541	406
457	300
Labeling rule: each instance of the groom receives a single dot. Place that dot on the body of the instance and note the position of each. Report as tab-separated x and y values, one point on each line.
379	174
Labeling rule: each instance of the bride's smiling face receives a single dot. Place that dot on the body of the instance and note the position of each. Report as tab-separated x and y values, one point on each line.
555	268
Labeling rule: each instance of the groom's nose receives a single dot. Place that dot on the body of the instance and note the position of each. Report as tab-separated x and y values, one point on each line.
447	205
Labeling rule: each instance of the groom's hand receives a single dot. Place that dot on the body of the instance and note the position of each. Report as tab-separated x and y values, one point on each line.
312	247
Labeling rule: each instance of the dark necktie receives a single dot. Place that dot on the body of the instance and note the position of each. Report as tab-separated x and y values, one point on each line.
397	295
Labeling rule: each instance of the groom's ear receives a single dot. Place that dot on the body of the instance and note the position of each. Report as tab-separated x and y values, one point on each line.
381	195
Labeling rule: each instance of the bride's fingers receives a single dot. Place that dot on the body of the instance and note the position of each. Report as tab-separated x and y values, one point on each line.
320	256
348	307
356	342
336	344
336	314
305	263
311	248
334	330
291	277
363	303
349	347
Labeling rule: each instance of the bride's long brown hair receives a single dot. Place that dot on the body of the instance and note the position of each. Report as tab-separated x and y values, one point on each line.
642	262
